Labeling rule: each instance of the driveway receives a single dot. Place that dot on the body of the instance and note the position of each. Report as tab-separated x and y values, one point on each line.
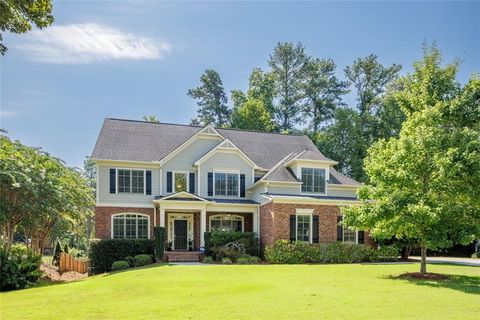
453	260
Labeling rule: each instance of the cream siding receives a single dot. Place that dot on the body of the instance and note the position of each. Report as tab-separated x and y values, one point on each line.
342	192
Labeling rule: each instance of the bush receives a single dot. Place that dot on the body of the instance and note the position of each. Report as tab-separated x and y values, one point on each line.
120	265
227	261
388	253
159	233
285	252
19	268
56	253
130	260
208	259
220	238
248	259
142	260
78	253
232	252
104	252
476	255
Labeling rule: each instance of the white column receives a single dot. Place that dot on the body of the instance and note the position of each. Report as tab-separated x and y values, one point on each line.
162	217
203	226
256	223
154	215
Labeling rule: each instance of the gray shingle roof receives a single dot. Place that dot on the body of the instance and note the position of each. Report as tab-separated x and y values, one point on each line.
339	178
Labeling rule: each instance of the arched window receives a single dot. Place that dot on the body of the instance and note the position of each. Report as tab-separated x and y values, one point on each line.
226	222
130	226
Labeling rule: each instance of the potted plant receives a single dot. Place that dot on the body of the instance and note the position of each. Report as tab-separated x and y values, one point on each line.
190	245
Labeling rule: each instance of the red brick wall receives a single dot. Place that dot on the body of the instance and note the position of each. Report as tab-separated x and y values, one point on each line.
103	219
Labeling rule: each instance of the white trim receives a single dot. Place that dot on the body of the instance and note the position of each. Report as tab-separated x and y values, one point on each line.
343	236
112	162
225	215
307	200
299	171
226	145
187	178
126	205
131	184
190	140
181	193
186	216
304	211
125	225
300	212
308	161
97	183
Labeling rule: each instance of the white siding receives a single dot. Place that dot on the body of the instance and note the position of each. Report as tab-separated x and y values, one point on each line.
105	197
184	160
342	193
287	189
224	160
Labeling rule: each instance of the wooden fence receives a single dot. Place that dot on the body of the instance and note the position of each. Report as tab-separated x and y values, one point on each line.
69	263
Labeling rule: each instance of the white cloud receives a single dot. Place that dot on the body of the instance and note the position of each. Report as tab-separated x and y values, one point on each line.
8	114
90	42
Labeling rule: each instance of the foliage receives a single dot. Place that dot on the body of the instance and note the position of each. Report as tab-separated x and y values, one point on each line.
17	16
220	238
227	261
19	268
388	253
65	248
288	64
211	99
323	91
141	260
252	115
476	255
104	252
285	252
232	250
37	192
120	265
151	118
159	234
424	184
208	259
56	253
248	259
78	253
130	260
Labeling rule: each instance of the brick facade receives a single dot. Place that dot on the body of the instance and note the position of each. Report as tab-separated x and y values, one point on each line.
103	219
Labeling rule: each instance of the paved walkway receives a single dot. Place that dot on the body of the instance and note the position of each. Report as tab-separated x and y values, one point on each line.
453	260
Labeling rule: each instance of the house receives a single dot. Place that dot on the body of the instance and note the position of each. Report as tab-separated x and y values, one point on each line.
192	179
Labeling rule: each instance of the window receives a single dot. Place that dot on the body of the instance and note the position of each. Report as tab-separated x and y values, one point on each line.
226	222
180	183
131	181
226	184
313	180
303	227
349	235
130	226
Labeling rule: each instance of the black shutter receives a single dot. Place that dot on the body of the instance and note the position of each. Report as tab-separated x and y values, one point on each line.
148	178
113	182
242	185
339	229
361	237
191	182
293	227
315	229
210	184
169	181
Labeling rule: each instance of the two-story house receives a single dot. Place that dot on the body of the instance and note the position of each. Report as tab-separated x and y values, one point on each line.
192	179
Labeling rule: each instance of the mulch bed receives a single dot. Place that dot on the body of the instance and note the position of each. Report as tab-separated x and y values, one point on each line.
423	276
50	273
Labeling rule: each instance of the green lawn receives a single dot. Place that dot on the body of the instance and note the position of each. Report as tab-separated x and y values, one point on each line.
254	292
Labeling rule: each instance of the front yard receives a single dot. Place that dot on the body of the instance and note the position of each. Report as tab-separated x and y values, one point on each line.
254	292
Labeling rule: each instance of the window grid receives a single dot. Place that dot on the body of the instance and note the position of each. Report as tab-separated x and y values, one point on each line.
130	226
303	228
123	181
131	181
226	223
226	184
137	181
349	235
313	180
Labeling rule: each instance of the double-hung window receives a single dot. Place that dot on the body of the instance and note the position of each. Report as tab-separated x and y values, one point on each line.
303	227
131	181
130	226
181	183
313	180
226	184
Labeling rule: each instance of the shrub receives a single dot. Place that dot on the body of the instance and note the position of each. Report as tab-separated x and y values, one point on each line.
104	252
120	265
228	251
208	259
227	261
65	248
285	252
141	260
476	255
130	260
220	238
388	253
248	259
159	233
78	253
19	268
56	253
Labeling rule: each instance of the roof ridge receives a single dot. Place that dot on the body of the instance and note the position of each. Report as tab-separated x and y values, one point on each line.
165	123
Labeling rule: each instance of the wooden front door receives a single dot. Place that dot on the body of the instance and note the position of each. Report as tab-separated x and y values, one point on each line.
180	233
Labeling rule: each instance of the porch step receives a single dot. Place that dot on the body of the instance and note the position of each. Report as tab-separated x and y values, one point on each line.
182	256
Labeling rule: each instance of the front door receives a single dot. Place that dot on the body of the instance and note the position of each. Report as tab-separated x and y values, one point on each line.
180	233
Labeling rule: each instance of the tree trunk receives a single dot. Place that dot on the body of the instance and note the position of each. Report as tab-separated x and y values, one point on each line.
405	253
423	263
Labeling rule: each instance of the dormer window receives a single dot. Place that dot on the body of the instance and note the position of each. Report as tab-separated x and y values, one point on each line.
313	180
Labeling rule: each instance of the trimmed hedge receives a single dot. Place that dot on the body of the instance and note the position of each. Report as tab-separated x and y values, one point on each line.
120	265
104	252
216	239
142	260
285	252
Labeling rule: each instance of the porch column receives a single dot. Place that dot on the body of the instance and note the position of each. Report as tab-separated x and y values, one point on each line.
255	222
162	217
203	226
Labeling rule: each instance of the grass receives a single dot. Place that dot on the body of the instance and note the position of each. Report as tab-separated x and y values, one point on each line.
254	291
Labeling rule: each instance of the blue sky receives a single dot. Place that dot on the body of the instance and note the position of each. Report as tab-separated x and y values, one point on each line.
126	59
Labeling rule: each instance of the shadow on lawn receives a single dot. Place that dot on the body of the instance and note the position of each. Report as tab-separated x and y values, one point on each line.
149	266
466	284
